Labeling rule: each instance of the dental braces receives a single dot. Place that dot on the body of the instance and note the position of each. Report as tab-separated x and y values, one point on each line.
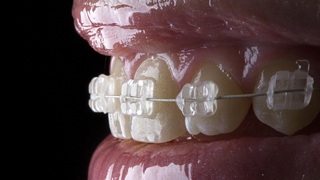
286	91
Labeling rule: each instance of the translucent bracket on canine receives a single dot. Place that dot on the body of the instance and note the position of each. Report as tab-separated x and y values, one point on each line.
198	99
299	79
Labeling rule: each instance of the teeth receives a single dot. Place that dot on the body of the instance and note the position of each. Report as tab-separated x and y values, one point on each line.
222	116
165	121
143	108
119	123
286	112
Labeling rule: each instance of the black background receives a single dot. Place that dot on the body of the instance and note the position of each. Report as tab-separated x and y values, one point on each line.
52	68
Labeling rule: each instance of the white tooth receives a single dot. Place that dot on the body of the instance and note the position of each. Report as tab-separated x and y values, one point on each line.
289	112
223	116
119	123
165	122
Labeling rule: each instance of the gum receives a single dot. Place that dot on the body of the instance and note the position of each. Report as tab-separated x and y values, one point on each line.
243	63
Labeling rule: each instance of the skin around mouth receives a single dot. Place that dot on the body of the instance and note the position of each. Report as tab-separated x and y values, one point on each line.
130	30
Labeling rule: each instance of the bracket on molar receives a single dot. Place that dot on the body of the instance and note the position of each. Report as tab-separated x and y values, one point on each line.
134	97
99	88
285	80
198	99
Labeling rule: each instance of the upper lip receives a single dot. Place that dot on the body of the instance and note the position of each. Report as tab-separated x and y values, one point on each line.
132	26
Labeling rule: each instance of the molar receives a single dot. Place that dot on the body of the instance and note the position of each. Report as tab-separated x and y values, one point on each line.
229	113
119	123
283	117
165	122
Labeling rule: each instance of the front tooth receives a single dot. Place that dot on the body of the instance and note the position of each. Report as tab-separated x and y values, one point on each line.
225	115
165	121
285	113
119	123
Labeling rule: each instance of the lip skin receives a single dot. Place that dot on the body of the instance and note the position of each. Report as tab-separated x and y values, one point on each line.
135	30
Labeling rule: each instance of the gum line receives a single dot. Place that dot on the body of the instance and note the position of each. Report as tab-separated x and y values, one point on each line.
244	63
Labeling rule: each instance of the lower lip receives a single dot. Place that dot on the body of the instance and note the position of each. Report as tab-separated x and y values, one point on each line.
252	151
295	157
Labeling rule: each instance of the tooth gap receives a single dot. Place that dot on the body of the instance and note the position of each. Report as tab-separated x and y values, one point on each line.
303	65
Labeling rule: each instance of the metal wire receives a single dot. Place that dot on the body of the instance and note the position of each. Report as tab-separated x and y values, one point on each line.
236	96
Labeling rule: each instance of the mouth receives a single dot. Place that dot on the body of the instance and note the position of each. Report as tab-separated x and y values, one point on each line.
237	47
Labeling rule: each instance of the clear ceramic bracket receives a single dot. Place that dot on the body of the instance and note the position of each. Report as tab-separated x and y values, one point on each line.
198	99
134	97
101	90
285	80
287	90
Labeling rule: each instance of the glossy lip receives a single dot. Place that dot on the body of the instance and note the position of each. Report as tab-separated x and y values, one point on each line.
238	158
121	28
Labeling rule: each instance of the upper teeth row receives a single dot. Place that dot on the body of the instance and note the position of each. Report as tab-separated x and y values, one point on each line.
287	90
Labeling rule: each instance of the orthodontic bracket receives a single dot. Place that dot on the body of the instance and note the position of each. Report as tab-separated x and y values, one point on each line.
287	90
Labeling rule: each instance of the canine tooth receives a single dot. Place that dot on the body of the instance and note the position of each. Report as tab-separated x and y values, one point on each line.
290	112
119	123
165	122
229	113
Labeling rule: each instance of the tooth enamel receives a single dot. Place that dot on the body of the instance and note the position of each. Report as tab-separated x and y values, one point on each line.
229	113
285	113
119	123
165	123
